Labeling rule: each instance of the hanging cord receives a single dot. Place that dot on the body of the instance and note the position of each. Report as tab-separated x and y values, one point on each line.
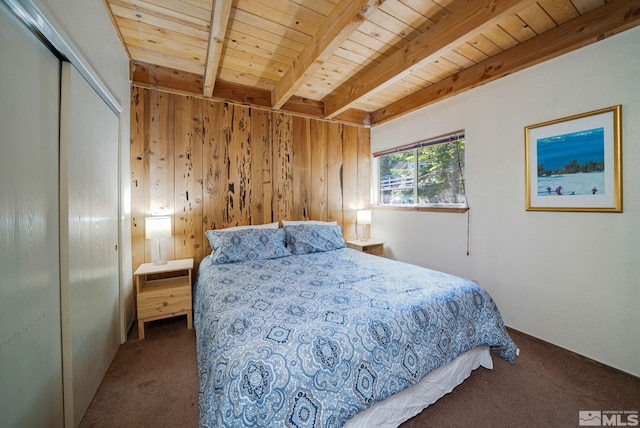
468	230
466	200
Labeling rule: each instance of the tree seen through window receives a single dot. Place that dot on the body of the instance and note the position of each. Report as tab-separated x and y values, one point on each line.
426	175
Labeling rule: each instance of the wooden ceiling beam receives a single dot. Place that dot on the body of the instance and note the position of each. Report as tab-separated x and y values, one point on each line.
184	83
164	78
467	19
605	21
355	117
345	18
242	94
219	20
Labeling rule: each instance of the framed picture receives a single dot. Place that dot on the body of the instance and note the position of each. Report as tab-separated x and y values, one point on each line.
575	163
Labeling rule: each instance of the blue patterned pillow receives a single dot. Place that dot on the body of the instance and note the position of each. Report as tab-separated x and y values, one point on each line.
246	244
313	238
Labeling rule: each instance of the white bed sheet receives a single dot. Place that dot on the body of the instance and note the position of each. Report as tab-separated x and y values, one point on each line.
404	405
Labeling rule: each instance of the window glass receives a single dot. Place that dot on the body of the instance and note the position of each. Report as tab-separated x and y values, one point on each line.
397	178
428	173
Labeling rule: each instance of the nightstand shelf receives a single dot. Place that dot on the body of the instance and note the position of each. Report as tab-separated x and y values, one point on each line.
369	246
159	297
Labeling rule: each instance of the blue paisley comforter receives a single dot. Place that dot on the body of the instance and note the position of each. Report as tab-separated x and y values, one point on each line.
310	340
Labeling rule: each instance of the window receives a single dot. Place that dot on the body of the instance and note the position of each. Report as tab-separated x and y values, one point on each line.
427	173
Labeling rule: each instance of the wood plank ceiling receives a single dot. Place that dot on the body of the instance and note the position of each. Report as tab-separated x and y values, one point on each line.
356	61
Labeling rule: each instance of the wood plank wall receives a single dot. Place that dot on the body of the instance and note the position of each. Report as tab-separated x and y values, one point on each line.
212	165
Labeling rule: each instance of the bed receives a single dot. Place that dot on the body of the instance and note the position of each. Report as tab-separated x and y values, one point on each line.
293	329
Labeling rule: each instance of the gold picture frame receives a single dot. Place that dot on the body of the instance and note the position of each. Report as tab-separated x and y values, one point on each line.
575	163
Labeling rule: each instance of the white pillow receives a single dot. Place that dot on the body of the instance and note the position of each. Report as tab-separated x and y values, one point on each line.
299	222
274	225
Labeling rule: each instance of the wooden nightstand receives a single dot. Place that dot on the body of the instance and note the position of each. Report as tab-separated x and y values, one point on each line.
370	246
164	297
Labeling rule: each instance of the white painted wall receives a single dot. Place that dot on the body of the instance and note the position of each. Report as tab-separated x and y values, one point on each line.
567	278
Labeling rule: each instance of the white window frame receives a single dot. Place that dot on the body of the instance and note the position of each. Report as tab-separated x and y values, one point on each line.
442	139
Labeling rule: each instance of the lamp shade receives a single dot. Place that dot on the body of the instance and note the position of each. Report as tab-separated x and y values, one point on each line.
157	227
363	216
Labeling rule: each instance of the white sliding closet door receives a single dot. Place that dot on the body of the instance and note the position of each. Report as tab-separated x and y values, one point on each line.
30	336
89	237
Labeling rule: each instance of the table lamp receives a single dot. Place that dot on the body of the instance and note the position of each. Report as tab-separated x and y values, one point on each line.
363	217
157	228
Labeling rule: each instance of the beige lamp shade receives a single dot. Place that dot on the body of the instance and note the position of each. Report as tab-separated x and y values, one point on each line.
157	227
363	217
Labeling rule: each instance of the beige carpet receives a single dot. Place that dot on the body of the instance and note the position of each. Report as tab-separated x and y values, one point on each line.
151	382
154	383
